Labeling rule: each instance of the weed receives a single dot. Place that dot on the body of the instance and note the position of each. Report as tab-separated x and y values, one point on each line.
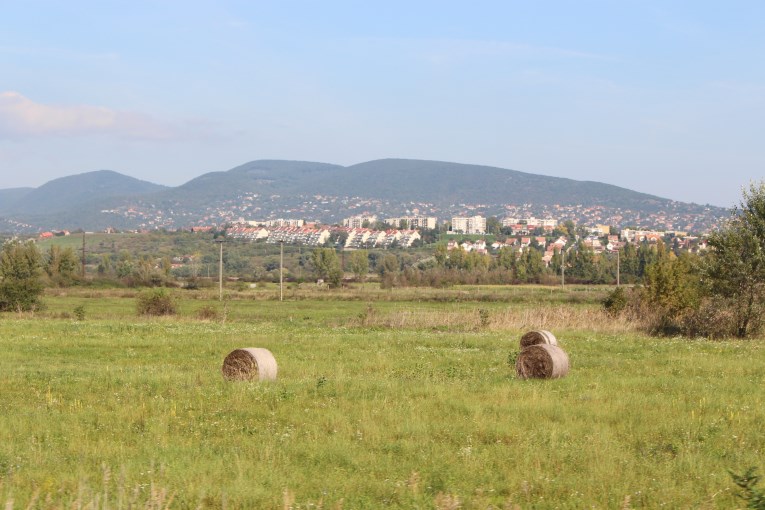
79	312
747	483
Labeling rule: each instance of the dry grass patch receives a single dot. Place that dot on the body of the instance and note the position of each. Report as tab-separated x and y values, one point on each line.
553	317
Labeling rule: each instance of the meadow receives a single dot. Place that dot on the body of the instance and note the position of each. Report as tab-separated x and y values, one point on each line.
385	399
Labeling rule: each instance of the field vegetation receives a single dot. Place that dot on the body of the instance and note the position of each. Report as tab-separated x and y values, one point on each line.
386	398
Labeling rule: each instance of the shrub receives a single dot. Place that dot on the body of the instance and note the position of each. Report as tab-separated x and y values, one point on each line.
156	302
208	313
79	312
615	302
749	492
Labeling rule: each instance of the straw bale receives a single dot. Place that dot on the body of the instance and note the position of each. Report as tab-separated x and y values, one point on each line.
250	363
537	337
542	361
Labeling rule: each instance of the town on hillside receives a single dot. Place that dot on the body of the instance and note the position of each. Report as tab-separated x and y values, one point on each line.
333	209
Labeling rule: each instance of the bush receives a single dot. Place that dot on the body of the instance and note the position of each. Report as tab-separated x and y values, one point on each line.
615	302
156	302
79	312
716	318
208	313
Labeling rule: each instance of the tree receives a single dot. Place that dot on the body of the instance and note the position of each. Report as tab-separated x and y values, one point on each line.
105	264
735	267
337	238
61	265
390	265
672	289
20	270
326	265
124	265
581	263
359	264
556	261
493	225
529	266
441	254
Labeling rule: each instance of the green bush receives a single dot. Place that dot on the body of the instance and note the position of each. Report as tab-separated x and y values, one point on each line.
156	302
615	302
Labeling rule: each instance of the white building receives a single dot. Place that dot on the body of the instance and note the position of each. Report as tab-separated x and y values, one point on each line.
281	222
471	225
413	222
358	221
532	223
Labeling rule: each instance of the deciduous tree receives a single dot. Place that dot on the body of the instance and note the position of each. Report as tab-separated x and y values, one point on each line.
736	264
20	270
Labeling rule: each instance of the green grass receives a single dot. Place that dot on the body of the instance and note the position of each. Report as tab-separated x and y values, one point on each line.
118	409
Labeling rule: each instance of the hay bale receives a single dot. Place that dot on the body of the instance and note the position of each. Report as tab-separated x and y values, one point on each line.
542	361
248	364
538	337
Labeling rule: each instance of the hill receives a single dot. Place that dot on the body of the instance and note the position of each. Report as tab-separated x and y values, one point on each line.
10	196
319	191
405	180
75	191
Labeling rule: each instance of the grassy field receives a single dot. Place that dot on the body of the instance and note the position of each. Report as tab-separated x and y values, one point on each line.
393	401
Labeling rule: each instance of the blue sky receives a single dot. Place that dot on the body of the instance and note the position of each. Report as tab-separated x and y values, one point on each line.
658	96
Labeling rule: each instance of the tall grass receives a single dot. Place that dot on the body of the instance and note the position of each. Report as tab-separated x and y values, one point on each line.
476	318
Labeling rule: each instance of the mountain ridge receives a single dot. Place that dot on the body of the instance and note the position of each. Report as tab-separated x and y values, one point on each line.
329	192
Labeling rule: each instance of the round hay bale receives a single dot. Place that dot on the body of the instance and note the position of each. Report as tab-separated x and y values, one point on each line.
542	361
249	364
538	337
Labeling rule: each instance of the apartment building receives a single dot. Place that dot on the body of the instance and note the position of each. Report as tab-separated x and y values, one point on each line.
358	221
469	225
413	222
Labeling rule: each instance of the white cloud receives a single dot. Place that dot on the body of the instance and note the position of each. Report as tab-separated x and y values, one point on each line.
22	117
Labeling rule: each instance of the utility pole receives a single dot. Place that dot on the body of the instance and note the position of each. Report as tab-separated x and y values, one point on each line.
83	254
281	270
617	267
563	267
220	270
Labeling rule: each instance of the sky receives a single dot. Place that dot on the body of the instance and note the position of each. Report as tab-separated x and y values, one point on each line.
664	97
